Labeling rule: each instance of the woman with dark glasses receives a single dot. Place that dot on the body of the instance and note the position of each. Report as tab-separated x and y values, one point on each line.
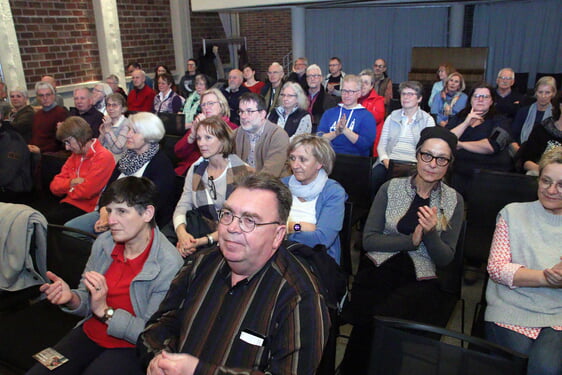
412	229
208	183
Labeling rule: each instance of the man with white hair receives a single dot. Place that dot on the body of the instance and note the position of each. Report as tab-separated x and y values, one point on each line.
141	97
58	98
318	100
507	101
44	128
271	90
233	91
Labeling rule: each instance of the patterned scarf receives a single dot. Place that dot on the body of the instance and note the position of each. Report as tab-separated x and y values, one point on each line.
132	162
449	102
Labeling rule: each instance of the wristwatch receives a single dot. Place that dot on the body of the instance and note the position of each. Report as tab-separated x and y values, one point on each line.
107	314
297	227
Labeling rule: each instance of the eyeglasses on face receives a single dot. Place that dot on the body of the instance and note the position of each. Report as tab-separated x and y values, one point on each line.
247	111
441	161
380	66
208	104
546	183
407	93
313	76
481	96
505	78
246	223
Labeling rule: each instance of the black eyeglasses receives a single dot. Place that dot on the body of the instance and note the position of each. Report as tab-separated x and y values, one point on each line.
246	223
212	187
439	160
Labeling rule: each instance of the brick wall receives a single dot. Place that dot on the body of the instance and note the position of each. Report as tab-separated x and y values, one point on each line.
146	33
57	38
269	37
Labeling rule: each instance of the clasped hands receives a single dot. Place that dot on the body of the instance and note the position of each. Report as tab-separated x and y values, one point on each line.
427	221
553	275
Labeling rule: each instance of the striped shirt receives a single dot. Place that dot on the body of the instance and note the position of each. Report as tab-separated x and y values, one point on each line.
275	321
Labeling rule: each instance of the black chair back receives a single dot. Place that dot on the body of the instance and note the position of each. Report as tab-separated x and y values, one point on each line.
405	347
174	123
345	239
490	192
68	250
354	173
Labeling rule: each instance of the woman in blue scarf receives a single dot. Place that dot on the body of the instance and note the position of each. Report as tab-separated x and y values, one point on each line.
318	207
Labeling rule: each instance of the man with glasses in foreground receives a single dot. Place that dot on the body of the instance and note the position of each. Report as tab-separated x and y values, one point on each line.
248	305
259	142
350	127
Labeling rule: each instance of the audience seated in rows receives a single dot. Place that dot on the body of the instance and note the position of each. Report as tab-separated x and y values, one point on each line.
318	207
450	101
349	127
291	112
208	184
44	129
523	295
401	132
213	103
84	108
126	277
412	228
143	159
84	174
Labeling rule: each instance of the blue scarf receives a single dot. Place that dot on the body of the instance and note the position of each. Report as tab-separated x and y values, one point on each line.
309	191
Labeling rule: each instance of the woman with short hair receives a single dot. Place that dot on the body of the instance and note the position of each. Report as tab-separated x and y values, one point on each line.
127	276
524	294
291	112
316	216
192	107
83	176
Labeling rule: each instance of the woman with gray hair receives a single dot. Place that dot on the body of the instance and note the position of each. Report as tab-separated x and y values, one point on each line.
291	113
318	207
21	115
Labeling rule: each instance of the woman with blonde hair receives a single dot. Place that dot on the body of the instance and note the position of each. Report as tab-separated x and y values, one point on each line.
451	100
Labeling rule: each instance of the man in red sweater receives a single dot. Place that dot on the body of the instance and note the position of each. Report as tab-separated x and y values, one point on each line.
44	128
141	97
